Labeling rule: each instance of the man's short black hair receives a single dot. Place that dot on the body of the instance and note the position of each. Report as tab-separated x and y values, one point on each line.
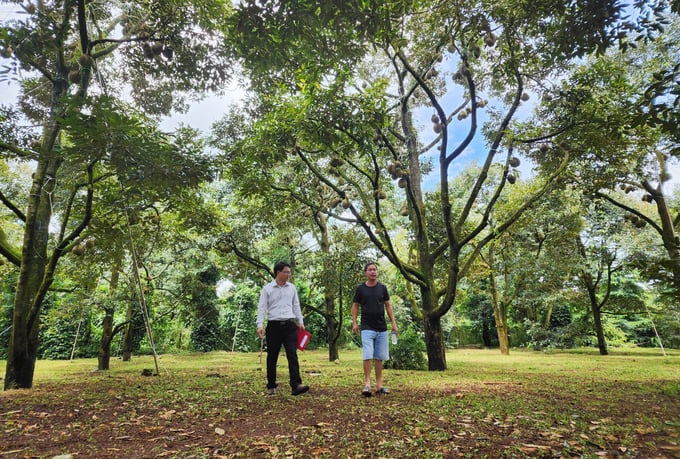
278	267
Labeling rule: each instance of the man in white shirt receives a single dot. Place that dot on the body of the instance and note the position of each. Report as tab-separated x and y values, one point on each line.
280	304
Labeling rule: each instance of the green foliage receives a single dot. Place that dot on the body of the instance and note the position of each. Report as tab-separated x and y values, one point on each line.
201	288
7	286
57	339
562	332
409	353
239	311
480	312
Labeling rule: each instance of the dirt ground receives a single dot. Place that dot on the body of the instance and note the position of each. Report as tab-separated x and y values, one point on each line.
211	415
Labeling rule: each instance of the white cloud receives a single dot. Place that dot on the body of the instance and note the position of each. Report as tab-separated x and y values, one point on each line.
202	114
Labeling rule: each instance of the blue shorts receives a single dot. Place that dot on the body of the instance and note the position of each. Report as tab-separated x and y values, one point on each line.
375	345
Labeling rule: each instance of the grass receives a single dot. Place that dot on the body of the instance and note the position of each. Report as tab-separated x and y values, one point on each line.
527	404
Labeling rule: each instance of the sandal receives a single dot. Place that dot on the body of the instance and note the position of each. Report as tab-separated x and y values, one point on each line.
382	391
366	391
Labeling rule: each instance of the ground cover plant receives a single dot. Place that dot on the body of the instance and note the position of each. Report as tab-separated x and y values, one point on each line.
527	404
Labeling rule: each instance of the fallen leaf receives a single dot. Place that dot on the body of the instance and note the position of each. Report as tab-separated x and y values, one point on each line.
167	414
531	448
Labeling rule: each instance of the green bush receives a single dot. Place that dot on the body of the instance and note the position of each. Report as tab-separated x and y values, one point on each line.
408	353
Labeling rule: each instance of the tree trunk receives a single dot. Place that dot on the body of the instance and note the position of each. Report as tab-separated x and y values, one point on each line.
331	323
503	340
500	311
668	234
500	315
434	342
36	272
104	356
127	337
328	288
597	320
332	330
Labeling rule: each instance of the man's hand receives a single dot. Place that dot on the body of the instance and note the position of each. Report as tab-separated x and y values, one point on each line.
260	332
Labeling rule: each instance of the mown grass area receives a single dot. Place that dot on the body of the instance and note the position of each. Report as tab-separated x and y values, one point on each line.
574	404
464	366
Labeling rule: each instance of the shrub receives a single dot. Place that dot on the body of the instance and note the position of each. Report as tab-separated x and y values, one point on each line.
408	353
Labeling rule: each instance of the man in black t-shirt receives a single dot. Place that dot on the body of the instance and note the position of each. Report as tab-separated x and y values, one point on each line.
373	300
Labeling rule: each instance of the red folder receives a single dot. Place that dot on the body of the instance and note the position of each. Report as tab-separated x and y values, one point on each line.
303	339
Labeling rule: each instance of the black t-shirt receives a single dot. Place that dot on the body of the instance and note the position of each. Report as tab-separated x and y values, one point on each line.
372	301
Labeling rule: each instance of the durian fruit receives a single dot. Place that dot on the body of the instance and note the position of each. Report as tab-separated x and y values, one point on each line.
647	198
148	52
404	210
514	161
157	48
336	162
86	61
524	96
168	53
490	39
78	249
402	182
345	203
511	179
74	76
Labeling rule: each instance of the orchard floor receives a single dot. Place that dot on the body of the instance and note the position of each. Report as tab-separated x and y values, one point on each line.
483	406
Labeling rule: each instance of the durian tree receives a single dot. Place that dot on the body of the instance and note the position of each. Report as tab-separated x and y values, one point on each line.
73	61
614	154
520	262
529	267
434	80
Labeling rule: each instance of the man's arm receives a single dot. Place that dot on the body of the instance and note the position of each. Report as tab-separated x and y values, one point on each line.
297	311
390	314
261	309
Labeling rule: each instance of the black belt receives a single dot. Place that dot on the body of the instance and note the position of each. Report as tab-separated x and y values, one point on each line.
283	321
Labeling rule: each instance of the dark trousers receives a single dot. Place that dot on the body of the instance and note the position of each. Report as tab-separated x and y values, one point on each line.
278	334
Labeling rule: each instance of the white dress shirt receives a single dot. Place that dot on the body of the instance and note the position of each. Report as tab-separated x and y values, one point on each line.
278	303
